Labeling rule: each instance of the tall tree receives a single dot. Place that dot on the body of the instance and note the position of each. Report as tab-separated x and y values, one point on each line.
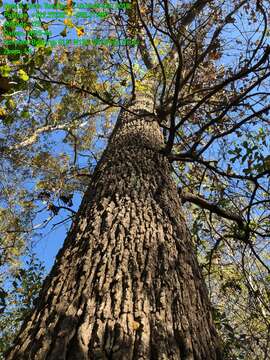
126	282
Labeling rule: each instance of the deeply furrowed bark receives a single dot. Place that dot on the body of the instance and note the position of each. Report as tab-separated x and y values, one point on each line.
126	284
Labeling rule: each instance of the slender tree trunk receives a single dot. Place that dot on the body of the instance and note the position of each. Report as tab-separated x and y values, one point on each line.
126	284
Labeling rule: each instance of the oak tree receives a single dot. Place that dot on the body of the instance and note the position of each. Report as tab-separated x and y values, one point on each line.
192	102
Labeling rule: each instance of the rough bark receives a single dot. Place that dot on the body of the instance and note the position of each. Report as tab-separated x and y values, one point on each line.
126	284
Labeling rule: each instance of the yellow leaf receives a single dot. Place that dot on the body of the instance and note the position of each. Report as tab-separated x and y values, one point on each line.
11	104
156	42
69	12
22	74
68	22
141	86
3	112
80	31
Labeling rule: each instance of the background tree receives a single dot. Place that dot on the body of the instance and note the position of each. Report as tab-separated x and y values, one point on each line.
17	299
211	64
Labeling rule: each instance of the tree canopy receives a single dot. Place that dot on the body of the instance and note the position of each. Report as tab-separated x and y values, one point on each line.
209	61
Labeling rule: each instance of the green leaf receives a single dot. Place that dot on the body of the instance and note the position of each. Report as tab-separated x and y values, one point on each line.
25	114
5	70
245	144
48	51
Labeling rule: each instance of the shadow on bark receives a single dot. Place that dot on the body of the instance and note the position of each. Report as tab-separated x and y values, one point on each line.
65	343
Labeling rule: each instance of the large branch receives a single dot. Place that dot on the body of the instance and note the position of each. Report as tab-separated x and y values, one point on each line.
201	202
199	58
186	20
189	16
34	137
196	8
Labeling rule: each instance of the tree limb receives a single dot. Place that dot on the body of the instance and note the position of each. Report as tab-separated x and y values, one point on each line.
203	203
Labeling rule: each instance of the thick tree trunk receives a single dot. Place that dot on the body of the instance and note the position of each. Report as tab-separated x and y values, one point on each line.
126	284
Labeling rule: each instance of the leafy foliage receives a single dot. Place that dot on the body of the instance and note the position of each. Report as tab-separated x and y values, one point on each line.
18	297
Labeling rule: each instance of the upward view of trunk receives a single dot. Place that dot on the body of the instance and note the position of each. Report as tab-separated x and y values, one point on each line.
126	284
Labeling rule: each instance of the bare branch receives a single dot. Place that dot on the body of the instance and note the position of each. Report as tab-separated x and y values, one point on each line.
214	208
